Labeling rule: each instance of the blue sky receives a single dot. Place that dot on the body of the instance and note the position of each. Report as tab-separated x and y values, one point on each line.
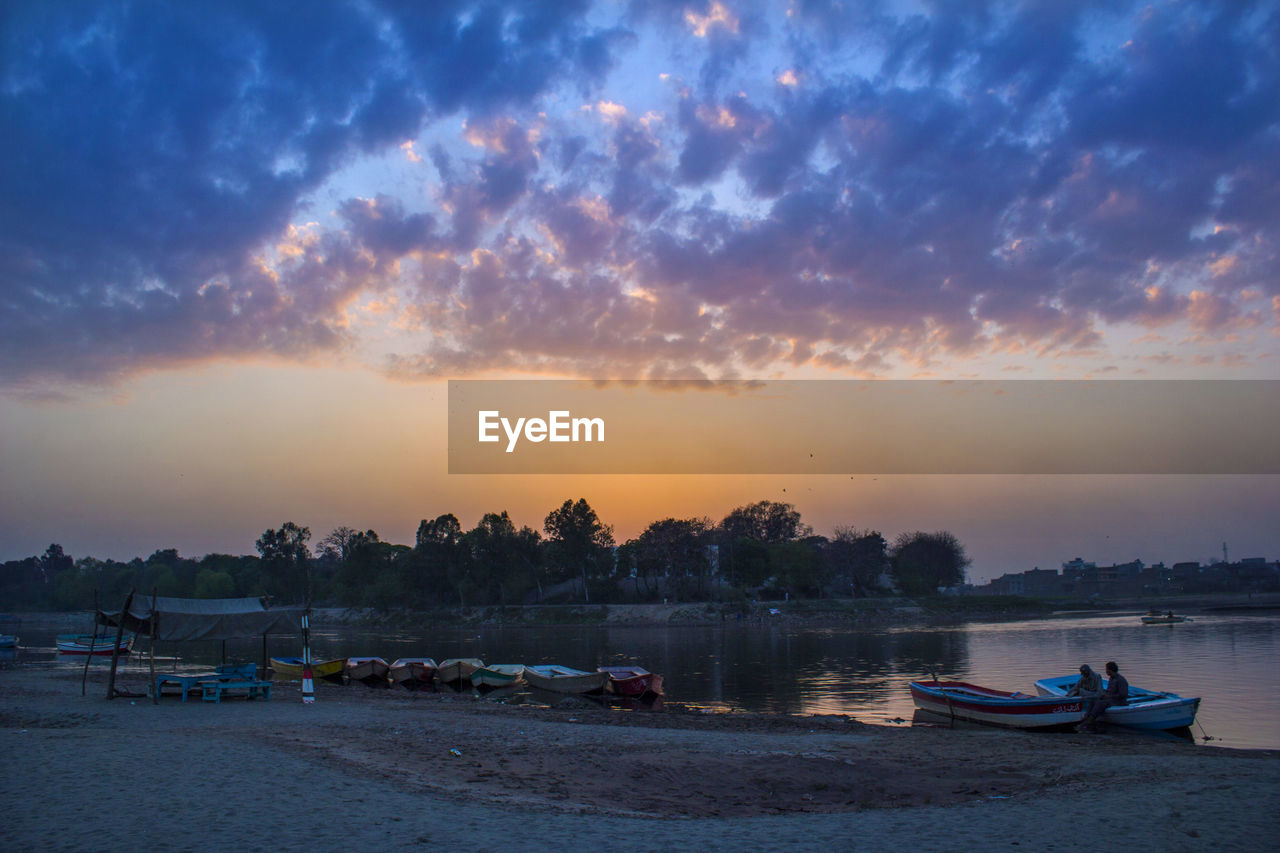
416	192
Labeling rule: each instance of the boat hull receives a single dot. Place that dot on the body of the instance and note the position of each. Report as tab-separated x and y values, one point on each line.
327	670
80	644
563	679
498	675
413	673
375	672
1147	709
631	680
1164	620
996	707
455	670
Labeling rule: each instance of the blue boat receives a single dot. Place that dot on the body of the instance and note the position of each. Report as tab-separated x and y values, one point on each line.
1147	709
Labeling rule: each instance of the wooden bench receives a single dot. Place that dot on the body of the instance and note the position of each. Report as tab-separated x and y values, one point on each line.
211	690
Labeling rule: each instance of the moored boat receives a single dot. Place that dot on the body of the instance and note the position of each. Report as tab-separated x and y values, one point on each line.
372	671
498	675
327	670
453	670
1147	709
413	673
979	704
1166	619
90	644
631	680
563	679
8	641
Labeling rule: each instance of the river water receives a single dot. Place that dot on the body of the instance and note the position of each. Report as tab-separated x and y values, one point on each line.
1230	660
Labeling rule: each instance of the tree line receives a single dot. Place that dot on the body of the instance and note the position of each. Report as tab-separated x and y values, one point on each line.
758	551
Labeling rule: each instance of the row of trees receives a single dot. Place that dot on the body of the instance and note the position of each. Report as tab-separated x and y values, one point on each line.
758	550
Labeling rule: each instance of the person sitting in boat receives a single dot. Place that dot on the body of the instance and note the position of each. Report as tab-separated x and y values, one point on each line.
1117	693
1089	686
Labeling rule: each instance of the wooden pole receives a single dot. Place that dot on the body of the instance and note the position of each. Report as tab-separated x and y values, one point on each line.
155	629
115	652
84	677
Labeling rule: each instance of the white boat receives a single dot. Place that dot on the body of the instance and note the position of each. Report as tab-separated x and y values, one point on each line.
457	669
1147	709
563	679
372	671
413	673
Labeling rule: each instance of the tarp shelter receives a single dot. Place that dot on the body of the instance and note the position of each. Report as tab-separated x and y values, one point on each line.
186	619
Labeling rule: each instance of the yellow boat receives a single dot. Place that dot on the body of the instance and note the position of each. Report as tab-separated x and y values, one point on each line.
291	669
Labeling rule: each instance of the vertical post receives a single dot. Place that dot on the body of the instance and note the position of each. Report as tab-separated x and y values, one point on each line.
84	677
115	652
155	629
308	686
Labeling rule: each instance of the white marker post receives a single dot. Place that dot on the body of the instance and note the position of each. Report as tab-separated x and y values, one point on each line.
308	687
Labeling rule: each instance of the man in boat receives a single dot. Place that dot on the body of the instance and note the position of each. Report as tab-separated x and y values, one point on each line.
1117	693
1089	686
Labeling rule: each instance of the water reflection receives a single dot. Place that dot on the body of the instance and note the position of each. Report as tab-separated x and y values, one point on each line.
770	667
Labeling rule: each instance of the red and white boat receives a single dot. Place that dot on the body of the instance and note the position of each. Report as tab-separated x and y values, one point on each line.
88	644
979	704
631	680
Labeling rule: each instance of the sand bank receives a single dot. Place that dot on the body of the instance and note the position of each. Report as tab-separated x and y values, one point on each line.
384	770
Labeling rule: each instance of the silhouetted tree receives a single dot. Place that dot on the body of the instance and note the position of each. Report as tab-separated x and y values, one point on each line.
673	549
284	561
579	541
858	558
924	562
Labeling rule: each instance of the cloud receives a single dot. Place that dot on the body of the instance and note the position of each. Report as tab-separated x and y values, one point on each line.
1014	178
152	150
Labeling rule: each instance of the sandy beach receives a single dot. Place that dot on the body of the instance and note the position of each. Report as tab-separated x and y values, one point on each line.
389	770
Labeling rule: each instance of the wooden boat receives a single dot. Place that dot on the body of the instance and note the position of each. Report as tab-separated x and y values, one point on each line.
453	670
979	704
413	673
631	680
89	644
327	670
1147	709
563	679
374	672
1166	619
498	675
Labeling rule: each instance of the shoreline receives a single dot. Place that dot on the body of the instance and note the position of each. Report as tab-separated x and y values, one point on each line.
817	613
868	612
397	770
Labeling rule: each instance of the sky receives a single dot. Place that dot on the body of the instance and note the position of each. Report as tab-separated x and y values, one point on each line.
244	246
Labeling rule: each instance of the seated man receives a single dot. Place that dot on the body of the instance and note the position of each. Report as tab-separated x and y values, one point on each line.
1117	693
1089	686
